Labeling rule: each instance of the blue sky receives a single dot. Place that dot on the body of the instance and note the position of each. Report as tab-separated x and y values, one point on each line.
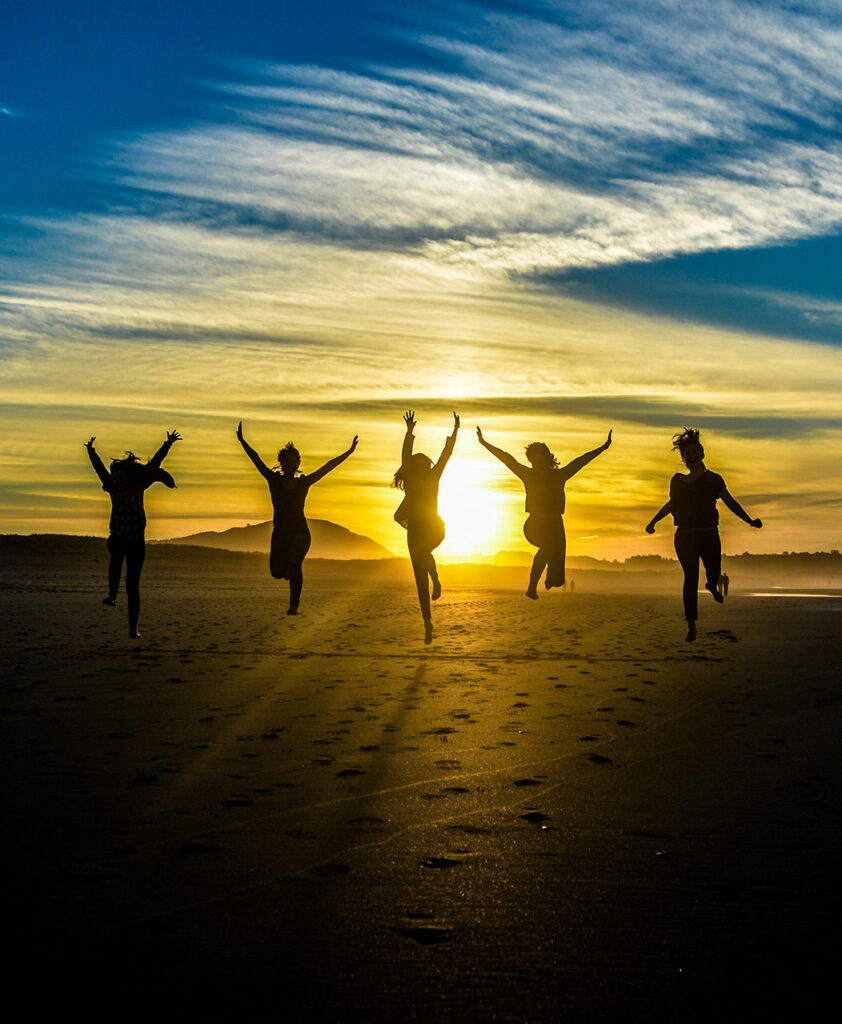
581	209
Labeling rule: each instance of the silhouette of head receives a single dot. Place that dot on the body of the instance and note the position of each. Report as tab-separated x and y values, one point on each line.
540	456
689	447
418	465
289	458
123	468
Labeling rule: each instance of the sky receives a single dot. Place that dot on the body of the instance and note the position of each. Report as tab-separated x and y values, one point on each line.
554	218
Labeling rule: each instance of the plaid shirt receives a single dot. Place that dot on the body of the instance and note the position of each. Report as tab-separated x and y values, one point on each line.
126	487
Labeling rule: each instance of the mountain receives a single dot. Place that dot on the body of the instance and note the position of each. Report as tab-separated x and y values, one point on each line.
329	540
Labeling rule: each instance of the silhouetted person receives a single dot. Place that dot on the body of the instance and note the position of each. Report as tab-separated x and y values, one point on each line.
692	502
724	582
290	533
544	481
125	482
418	513
572	586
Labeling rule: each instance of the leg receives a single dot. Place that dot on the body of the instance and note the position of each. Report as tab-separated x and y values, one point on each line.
135	555
116	548
710	548
420	568
539	563
434	576
556	549
686	547
296	581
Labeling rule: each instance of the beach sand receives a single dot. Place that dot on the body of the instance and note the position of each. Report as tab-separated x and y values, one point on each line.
558	811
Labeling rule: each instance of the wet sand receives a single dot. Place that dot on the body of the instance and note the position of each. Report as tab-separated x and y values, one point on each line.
558	811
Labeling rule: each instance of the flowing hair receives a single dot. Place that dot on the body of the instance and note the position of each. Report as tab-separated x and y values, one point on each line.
543	453
289	449
688	436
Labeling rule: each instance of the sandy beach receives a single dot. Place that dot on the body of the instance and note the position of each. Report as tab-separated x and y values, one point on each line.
557	811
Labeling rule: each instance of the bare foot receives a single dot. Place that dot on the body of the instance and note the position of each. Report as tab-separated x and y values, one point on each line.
716	595
436	594
292	610
532	593
111	601
428	631
133	634
691	631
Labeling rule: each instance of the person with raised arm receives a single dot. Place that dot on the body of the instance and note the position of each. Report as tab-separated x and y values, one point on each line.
288	490
544	480
692	502
125	481
418	513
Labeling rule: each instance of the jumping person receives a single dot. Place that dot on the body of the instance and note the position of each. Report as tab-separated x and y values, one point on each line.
125	482
544	482
418	513
692	502
290	533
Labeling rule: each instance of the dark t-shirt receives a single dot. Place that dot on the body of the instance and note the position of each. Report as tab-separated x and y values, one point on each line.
288	502
694	501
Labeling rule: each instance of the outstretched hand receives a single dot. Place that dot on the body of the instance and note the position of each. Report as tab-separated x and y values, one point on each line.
756	523
608	439
480	438
240	431
650	527
354	442
90	444
455	423
173	436
409	420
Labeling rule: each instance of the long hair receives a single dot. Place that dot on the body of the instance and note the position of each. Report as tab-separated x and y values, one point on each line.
687	437
399	479
537	451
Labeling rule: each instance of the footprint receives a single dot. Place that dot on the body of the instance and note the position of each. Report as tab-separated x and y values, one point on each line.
599	759
427	936
440	863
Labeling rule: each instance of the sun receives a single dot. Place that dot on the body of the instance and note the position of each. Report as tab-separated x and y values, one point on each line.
469	506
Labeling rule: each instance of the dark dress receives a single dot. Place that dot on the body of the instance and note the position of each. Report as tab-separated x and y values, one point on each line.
290	533
693	507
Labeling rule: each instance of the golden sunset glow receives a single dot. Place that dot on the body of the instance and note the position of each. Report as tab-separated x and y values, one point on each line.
469	503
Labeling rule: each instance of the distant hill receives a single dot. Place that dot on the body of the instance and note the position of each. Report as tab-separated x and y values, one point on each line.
329	541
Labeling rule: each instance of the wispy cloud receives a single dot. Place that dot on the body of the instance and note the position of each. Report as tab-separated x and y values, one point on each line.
563	136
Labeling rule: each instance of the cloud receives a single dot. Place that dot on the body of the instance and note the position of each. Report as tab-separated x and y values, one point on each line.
563	136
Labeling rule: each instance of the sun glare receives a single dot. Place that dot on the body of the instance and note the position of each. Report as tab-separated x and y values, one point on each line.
469	505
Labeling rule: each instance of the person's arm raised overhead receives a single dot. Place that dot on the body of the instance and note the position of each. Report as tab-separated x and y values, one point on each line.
447	451
329	466
731	503
259	464
97	463
576	464
509	461
408	441
160	455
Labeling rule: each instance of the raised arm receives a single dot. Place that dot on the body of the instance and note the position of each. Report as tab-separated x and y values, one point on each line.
408	441
98	464
664	510
259	464
328	467
509	461
160	455
447	451
572	468
731	503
